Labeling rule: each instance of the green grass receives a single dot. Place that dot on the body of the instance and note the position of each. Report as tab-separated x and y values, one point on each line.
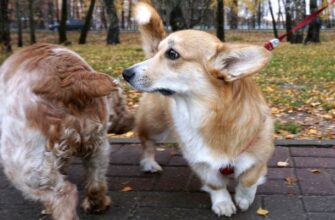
299	77
291	127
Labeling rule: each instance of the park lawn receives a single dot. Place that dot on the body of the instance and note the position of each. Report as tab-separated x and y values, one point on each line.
299	83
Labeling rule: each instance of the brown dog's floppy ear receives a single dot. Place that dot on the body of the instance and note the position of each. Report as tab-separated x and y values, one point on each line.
89	84
76	85
238	61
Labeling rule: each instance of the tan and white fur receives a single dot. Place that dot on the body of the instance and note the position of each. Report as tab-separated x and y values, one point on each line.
54	106
211	104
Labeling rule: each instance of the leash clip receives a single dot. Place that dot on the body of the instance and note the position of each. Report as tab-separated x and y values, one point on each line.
272	44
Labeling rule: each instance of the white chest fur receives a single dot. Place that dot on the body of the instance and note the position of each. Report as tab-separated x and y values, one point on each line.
188	117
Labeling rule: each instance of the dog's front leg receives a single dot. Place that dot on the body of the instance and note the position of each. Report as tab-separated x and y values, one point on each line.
247	185
96	165
216	186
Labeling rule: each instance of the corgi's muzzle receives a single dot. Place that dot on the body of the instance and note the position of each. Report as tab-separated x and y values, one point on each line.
142	83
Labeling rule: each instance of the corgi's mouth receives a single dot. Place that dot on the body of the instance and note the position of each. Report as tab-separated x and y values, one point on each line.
166	92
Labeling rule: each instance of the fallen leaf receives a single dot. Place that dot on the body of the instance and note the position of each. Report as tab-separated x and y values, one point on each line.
126	189
282	164
160	149
290	180
315	170
262	212
312	131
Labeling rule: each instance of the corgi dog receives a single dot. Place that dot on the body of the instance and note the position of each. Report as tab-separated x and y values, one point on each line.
201	90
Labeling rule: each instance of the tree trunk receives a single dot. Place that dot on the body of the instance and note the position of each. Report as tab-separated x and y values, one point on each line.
62	24
275	32
288	24
19	24
31	22
113	29
177	21
259	14
5	45
234	15
299	12
87	24
313	33
220	20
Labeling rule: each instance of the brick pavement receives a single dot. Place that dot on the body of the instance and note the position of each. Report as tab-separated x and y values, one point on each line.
174	194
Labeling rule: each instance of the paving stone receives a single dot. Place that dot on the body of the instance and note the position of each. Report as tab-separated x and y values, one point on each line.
15	213
126	171
4	182
178	161
312	152
331	173
113	213
314	162
321	216
319	204
129	154
174	179
277	187
280	173
284	207
315	183
176	200
137	184
280	154
194	185
149	213
13	197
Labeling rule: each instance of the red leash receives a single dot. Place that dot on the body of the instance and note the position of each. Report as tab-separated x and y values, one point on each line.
270	45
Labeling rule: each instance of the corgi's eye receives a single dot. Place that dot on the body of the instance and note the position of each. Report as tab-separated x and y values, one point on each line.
172	54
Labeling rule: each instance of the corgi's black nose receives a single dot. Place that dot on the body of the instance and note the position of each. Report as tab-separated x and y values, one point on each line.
128	74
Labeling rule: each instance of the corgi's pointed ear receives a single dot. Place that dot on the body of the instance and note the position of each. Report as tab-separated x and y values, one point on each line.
233	62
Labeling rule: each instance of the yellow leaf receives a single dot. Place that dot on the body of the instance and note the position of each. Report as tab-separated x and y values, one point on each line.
312	131
262	212
160	149
282	164
129	134
274	110
315	170
269	89
126	189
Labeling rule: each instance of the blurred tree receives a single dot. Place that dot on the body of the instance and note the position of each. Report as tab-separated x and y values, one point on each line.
220	20
313	33
19	24
177	20
274	26
288	15
299	13
234	15
31	21
62	24
87	24
5	45
113	29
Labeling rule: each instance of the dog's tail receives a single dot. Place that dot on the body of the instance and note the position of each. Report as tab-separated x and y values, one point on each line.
151	27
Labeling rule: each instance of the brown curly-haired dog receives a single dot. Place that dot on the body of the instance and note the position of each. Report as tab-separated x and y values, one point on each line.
54	106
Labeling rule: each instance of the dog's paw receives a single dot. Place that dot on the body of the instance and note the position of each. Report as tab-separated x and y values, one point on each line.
150	166
96	206
244	197
224	208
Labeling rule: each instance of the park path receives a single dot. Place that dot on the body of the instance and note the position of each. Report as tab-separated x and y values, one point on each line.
305	189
